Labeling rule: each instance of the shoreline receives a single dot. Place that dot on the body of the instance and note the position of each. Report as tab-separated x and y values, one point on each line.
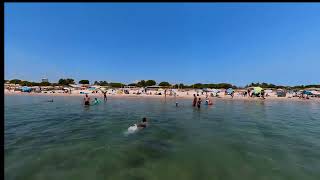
132	96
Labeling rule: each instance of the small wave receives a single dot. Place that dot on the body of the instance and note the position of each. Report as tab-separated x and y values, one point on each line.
131	130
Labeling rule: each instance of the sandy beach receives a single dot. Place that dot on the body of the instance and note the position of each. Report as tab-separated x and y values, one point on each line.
180	95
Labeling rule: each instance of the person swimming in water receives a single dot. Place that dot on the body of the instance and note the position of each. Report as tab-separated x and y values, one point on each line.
143	124
86	100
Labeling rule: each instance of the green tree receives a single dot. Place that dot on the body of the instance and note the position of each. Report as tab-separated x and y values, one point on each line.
116	85
271	85
175	86
142	83
150	83
164	84
70	81
65	81
103	83
84	82
132	84
198	86
62	82
45	84
33	84
263	85
24	83
215	86
15	81
313	86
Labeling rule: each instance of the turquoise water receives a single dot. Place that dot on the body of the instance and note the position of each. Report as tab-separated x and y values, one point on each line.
229	140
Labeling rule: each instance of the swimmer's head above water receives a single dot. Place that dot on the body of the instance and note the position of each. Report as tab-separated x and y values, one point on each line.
144	119
143	124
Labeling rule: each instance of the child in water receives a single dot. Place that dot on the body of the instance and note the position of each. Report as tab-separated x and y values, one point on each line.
208	101
143	124
96	101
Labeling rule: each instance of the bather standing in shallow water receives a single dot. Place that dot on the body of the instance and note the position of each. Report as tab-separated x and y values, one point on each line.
105	96
194	100
86	100
199	103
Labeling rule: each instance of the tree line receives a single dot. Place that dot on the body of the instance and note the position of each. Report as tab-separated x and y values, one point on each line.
272	86
63	82
145	83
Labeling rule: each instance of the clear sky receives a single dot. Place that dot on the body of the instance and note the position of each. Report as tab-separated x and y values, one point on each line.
175	42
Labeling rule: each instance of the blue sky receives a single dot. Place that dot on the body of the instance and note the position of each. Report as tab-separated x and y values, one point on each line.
175	42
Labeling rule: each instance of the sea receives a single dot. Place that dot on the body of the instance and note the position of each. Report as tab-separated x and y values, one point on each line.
230	140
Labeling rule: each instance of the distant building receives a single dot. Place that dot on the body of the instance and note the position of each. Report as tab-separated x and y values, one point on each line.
44	80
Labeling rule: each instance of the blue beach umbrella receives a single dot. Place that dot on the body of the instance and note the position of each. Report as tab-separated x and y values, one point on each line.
25	89
230	90
306	92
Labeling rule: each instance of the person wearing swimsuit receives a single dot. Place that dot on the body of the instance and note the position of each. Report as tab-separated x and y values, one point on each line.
194	100
105	96
143	124
199	103
86	100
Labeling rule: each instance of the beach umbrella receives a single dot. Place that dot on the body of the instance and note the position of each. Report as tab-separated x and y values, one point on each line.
230	90
268	91
207	90
215	91
257	90
307	92
25	89
315	92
